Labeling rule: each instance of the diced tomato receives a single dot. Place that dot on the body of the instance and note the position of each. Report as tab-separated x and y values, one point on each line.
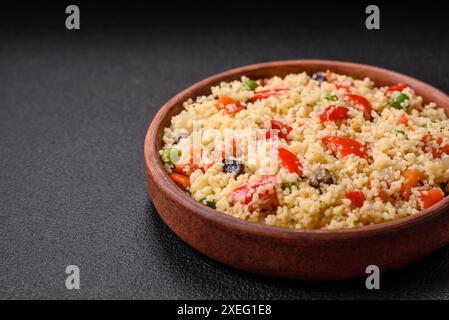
334	113
264	94
405	120
345	86
412	180
383	195
430	197
363	102
267	200
283	129
181	180
290	161
398	87
434	146
281	126
430	145
228	105
241	195
357	199
345	146
186	168
180	168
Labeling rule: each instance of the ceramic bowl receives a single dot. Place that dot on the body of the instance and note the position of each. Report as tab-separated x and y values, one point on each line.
282	252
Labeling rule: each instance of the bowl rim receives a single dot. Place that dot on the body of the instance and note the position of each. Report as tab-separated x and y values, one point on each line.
155	168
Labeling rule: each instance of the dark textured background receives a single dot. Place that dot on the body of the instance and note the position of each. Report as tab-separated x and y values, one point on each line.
74	108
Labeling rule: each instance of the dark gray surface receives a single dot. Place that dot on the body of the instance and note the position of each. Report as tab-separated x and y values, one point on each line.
74	108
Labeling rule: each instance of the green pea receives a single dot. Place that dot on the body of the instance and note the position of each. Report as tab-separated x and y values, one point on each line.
287	185
209	203
251	84
170	155
399	100
331	97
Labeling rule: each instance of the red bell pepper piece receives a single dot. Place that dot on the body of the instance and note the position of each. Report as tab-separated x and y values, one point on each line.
229	105
283	129
334	113
290	161
430	197
345	146
264	94
181	180
405	120
357	199
398	87
242	194
363	102
412	180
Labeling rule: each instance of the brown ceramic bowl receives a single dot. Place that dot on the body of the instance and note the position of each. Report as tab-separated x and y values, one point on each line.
282	252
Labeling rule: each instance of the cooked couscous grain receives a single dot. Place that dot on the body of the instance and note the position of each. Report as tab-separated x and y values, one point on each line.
321	151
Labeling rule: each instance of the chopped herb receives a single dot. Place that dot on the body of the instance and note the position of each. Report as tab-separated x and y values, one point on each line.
170	155
400	131
397	102
287	185
251	84
424	125
331	97
209	203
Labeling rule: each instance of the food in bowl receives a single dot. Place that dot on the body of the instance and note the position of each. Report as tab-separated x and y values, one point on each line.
320	151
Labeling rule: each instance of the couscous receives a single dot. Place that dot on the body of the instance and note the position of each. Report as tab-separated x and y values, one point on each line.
321	151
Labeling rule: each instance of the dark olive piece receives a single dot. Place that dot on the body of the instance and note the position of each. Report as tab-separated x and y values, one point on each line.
319	76
233	165
321	176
